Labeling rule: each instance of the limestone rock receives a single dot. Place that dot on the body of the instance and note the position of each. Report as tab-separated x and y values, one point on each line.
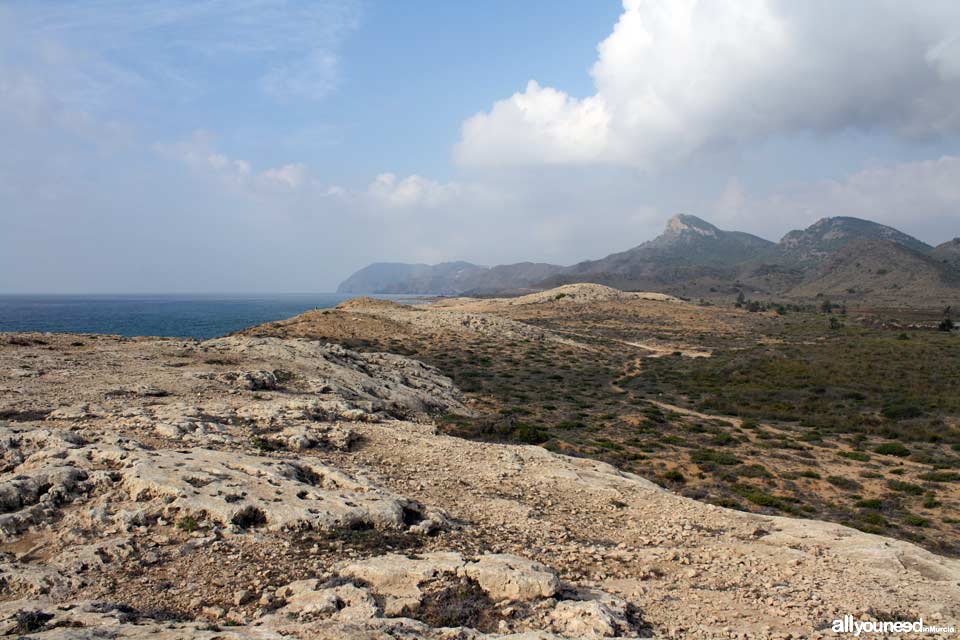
509	577
398	577
502	577
345	602
393	384
250	491
232	489
318	436
589	619
81	411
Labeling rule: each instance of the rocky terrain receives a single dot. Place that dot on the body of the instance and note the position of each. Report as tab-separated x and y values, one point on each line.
820	414
846	259
276	486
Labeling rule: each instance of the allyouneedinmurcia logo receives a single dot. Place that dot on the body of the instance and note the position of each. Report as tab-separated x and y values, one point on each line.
848	624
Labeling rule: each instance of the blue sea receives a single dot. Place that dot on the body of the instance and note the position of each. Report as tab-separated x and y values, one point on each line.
184	316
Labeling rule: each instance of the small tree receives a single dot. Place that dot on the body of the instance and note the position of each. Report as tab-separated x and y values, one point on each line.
740	299
826	307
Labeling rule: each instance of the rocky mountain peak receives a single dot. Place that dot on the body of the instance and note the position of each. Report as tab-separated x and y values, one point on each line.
683	224
828	234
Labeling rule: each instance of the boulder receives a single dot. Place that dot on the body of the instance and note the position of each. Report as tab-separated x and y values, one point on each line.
509	577
398	578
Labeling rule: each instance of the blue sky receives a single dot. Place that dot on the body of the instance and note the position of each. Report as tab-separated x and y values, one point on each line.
272	145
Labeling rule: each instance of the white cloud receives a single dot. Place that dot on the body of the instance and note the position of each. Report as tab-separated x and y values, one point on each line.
198	153
387	190
314	79
97	50
676	76
920	198
289	176
539	125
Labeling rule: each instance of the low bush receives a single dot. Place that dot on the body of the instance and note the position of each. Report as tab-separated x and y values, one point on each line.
892	449
905	487
844	483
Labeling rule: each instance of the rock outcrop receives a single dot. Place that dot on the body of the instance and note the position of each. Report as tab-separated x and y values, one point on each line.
147	491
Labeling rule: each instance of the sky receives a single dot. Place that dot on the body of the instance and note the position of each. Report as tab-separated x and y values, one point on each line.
278	145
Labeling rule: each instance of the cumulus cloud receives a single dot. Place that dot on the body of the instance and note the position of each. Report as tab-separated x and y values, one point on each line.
676	76
389	191
289	176
385	192
198	153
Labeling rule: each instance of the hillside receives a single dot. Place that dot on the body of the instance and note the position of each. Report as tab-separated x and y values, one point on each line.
397	277
268	487
660	386
880	271
830	235
690	255
445	278
841	257
948	253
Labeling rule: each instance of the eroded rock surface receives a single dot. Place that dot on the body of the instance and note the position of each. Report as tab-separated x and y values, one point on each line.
263	488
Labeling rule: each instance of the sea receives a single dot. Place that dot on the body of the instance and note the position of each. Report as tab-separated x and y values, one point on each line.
182	316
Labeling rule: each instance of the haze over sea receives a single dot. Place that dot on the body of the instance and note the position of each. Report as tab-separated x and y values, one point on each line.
186	316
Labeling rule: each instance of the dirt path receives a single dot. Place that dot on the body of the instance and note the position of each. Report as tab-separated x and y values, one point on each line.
736	422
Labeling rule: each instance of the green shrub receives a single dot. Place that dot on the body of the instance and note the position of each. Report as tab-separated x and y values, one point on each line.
874	518
844	483
905	487
754	471
674	475
715	457
762	498
940	476
723	440
530	434
188	524
901	411
916	521
893	449
265	444
860	456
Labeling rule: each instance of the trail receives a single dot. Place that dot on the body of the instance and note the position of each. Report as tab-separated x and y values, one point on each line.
736	422
659	350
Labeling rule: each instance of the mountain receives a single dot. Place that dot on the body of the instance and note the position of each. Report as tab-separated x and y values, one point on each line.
792	265
829	235
519	277
446	278
689	252
948	253
881	271
398	277
841	257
